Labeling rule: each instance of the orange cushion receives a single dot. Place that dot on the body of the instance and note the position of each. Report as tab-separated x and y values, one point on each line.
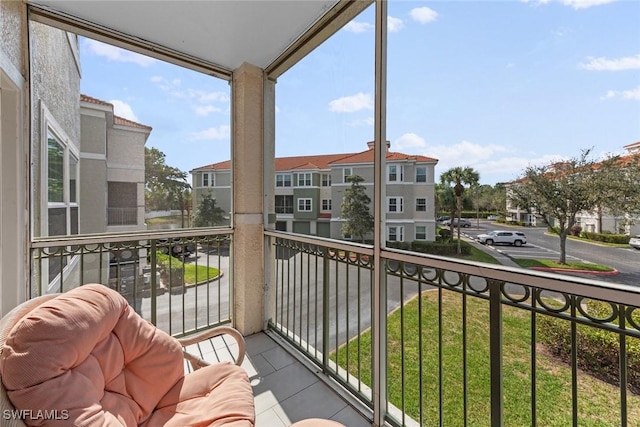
87	352
212	396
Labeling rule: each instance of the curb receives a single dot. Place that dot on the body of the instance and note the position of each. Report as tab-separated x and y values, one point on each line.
614	272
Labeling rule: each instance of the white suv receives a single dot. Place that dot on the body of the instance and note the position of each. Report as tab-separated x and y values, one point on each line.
634	242
515	238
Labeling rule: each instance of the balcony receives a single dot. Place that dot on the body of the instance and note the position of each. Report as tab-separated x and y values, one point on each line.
440	341
378	336
122	216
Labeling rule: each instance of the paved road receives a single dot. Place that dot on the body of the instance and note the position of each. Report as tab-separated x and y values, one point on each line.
546	246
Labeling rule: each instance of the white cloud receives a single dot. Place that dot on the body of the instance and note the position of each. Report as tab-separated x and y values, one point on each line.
221	132
604	64
124	110
394	24
423	15
116	54
408	141
576	4
584	4
350	104
205	110
358	27
632	94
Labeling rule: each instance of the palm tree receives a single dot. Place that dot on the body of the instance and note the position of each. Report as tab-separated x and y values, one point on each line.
459	176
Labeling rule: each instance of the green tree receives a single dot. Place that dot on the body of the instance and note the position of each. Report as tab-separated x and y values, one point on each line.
355	209
165	186
207	213
460	177
558	190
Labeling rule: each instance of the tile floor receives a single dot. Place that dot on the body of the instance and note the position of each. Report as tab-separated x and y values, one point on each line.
285	391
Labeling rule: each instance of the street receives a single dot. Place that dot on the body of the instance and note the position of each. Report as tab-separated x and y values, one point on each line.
542	245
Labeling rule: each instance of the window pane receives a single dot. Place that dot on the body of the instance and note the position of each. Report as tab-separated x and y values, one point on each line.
55	161
58	221
73	176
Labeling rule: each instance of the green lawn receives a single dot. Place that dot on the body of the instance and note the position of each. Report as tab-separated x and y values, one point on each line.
197	273
598	402
572	265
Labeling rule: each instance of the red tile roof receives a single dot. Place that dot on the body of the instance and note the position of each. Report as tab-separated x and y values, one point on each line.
121	121
324	161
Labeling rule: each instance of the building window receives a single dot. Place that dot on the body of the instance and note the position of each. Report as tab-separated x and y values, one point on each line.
283	180
122	203
421	174
346	173
326	204
59	192
304	205
395	204
421	232
395	234
207	179
304	179
395	173
326	180
284	204
421	205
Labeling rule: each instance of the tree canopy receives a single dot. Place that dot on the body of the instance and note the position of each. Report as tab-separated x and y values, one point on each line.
459	176
166	187
355	209
207	213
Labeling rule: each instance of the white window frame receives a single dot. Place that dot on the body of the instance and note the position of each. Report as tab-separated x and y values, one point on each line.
49	125
283	180
346	173
398	174
305	179
425	232
326	205
425	173
306	204
325	180
398	233
425	204
210	179
399	204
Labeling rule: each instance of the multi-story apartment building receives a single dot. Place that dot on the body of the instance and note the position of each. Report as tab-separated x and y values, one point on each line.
309	191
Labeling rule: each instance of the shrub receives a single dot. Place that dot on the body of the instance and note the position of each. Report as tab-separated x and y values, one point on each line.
575	230
444	233
171	271
599	350
440	248
607	237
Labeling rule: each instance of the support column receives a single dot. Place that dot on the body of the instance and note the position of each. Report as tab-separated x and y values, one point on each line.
248	177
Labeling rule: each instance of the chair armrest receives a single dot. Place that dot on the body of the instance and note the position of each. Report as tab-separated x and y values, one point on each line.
198	363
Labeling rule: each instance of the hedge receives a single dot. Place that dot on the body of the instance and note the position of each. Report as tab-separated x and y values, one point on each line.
598	350
433	248
606	237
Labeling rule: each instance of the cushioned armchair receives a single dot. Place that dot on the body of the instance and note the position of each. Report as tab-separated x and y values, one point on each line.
85	358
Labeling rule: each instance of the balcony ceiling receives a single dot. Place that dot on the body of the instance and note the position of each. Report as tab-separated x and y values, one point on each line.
224	33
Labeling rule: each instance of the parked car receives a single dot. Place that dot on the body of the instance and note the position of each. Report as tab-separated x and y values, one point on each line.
465	223
492	218
179	249
514	238
443	218
634	242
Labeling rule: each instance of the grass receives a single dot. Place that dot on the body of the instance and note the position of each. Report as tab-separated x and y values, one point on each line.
598	402
479	255
165	220
571	265
193	273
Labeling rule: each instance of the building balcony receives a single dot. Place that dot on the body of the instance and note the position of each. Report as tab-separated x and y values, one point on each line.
122	216
436	340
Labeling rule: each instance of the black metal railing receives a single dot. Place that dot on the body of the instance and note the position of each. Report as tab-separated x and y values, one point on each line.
464	343
177	280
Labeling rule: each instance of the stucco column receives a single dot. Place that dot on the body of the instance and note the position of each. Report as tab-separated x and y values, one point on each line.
248	220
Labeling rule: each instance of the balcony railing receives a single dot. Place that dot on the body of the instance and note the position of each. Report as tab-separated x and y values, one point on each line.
122	216
179	281
463	343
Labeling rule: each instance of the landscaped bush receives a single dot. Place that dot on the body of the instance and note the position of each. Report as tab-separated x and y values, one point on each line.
444	233
606	237
171	271
598	350
575	230
440	248
406	246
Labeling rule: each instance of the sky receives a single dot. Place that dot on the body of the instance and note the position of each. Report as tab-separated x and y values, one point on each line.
493	85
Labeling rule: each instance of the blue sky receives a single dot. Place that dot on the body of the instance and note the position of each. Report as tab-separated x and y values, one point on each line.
495	85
